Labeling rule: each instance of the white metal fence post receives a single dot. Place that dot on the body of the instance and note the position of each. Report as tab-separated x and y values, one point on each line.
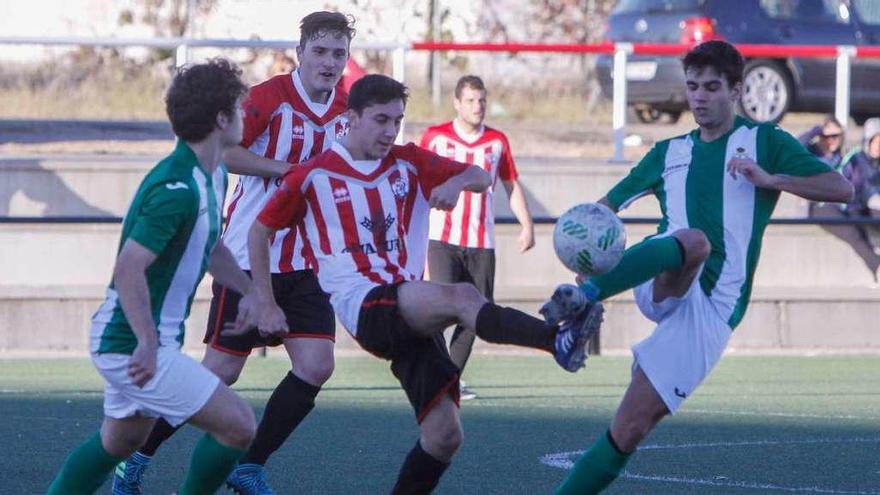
618	114
398	71
181	55
845	54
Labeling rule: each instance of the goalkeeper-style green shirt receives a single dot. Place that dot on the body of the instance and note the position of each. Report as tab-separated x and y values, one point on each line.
690	180
175	214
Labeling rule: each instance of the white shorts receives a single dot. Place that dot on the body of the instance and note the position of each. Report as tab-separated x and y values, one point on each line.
180	388
686	344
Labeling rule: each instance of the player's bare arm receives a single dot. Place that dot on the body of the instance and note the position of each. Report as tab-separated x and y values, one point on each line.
828	186
130	282
520	209
270	319
473	179
242	161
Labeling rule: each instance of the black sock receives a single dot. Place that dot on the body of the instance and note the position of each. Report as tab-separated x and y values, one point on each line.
289	404
161	431
502	325
460	346
419	474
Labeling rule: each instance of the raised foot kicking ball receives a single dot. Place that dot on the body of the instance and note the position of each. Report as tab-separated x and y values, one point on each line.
589	239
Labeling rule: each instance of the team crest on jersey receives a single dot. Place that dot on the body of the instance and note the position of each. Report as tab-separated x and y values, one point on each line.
378	225
341	129
341	195
400	188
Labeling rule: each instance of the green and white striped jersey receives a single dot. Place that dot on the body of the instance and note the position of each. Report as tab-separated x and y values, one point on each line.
176	214
690	180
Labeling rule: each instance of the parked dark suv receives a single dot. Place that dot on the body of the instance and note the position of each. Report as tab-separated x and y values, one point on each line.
771	87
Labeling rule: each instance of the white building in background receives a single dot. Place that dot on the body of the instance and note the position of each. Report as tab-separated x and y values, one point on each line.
279	19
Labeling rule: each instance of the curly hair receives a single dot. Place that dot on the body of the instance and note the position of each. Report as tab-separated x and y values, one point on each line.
375	89
316	23
198	93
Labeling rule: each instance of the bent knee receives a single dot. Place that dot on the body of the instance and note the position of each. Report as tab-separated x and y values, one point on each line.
315	372
465	295
444	442
696	246
241	433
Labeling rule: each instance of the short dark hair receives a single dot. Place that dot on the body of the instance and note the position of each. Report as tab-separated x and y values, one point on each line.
375	89
198	93
469	81
721	56
325	22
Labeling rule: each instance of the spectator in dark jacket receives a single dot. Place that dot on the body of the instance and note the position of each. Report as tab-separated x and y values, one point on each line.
862	168
826	142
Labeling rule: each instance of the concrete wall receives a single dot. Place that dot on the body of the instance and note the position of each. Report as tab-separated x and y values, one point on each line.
811	291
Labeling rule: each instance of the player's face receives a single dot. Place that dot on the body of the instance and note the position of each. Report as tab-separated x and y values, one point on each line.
831	138
233	126
710	97
321	62
471	107
373	131
874	147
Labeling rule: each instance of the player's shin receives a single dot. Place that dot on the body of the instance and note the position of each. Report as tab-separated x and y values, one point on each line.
85	469
639	264
596	469
502	325
419	474
211	463
289	404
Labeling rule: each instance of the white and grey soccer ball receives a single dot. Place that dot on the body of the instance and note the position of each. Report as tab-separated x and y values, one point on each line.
589	239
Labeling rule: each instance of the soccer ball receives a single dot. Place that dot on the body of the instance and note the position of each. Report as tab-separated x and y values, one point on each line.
589	239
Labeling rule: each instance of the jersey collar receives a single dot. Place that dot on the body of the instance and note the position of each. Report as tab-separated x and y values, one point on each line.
319	109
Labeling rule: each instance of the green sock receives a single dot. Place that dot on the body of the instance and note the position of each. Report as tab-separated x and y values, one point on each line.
595	470
85	469
639	264
211	463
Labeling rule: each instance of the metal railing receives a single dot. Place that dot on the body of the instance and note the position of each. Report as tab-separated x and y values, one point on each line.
621	51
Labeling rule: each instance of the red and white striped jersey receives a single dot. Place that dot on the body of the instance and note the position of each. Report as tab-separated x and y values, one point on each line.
366	221
472	222
281	123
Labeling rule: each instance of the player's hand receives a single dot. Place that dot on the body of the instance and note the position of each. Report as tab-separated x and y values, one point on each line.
246	319
271	321
445	196
142	364
526	239
752	172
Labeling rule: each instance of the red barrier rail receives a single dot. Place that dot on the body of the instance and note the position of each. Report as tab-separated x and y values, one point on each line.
748	50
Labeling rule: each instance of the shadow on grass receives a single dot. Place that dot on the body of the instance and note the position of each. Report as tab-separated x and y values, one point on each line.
357	448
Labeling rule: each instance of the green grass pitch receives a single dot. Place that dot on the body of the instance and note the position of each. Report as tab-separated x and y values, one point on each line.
758	425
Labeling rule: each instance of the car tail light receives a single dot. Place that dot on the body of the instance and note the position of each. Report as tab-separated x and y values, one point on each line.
697	30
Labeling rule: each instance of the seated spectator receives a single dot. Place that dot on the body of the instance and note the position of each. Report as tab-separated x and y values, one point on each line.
826	142
862	168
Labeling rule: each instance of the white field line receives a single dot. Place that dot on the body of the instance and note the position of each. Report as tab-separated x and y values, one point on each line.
563	460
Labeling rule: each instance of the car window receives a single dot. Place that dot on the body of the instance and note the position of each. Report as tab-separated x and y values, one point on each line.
831	11
868	11
651	6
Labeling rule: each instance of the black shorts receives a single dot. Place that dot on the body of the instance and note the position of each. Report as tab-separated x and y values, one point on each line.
449	264
307	307
421	365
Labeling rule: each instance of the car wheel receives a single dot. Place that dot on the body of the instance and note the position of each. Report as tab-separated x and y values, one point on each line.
766	91
647	115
